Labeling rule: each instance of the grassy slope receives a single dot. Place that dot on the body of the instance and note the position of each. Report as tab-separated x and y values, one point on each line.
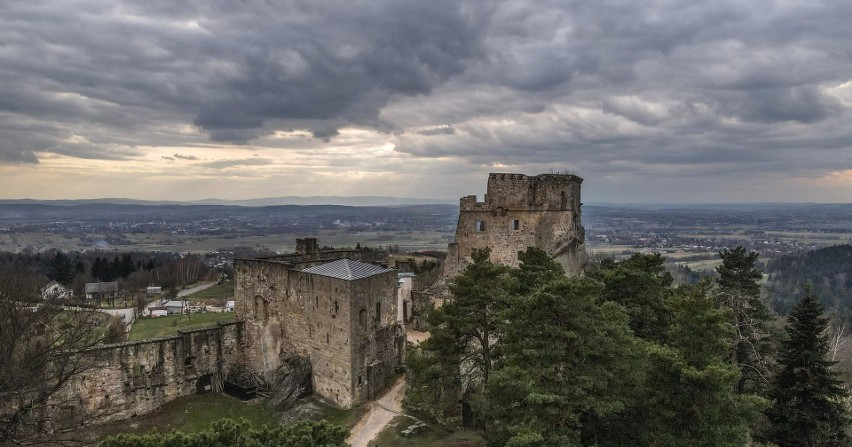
147	327
188	414
429	437
214	293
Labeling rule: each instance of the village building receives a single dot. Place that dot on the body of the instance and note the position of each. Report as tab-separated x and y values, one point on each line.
55	291
175	307
101	290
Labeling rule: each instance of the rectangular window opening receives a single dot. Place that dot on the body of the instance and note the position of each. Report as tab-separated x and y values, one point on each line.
480	225
516	224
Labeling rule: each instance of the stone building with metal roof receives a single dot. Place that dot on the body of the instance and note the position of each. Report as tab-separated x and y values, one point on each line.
340	314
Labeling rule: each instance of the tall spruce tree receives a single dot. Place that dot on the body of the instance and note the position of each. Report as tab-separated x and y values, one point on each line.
60	268
457	359
806	408
739	291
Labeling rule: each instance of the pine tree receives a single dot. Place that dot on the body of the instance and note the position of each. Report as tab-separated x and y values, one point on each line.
537	268
569	357
806	408
691	399
462	349
640	284
739	291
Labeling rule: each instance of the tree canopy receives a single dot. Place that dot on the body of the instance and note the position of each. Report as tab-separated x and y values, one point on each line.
614	357
806	395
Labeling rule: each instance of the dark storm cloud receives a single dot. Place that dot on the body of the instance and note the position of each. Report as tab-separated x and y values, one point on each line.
602	87
630	86
232	70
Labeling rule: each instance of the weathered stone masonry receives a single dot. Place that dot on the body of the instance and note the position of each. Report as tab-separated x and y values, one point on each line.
134	378
301	304
346	326
518	212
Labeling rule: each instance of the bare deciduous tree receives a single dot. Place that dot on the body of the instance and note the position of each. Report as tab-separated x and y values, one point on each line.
40	343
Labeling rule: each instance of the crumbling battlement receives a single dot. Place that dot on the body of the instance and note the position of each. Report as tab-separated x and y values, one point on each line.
308	249
517	212
134	378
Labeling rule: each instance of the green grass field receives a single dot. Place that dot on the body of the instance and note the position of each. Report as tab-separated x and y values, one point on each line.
147	327
429	437
214	293
189	414
344	418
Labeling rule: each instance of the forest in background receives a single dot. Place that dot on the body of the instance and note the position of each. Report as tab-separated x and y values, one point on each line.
827	271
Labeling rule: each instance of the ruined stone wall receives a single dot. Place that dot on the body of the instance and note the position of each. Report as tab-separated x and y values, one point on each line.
378	338
259	291
289	312
319	314
403	302
134	378
518	212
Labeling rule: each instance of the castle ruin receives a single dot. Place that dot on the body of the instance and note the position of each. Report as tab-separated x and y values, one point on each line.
327	306
518	212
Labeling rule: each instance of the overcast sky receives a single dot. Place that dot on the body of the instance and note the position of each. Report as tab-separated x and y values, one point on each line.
648	101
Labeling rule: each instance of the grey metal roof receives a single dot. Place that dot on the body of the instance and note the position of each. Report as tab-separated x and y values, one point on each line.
347	269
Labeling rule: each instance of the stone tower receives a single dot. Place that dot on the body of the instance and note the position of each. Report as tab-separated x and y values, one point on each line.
324	306
518	212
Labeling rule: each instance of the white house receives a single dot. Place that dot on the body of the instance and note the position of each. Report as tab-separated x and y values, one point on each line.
174	307
55	291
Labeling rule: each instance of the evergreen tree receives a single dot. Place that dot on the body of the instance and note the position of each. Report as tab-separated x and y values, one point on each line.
691	399
738	271
126	267
537	269
101	270
479	295
740	293
569	356
61	269
806	408
640	284
464	339
114	269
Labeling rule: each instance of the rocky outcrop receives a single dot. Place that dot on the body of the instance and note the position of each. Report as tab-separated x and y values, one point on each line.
292	382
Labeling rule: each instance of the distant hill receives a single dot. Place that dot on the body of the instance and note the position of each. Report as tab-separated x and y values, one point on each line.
827	270
268	201
329	200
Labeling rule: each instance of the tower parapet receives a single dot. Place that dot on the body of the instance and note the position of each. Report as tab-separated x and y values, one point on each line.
518	212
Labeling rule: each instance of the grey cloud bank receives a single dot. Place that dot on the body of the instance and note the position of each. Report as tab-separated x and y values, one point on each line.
742	95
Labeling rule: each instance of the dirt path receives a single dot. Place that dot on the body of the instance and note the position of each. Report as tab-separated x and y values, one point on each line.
383	410
379	416
197	288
